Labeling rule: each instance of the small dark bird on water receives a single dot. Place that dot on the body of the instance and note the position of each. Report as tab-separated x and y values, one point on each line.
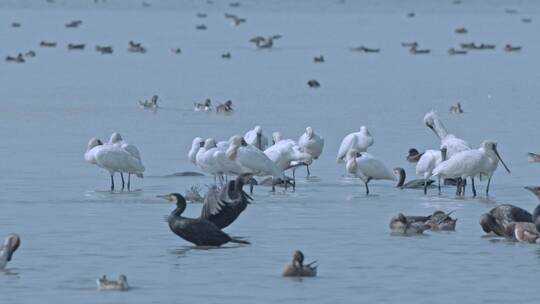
313	83
297	267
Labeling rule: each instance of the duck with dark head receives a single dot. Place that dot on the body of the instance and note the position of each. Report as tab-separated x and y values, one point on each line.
297	267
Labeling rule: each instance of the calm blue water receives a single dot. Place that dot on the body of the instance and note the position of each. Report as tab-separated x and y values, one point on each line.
73	230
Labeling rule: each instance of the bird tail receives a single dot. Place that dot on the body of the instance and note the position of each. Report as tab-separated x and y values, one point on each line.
239	240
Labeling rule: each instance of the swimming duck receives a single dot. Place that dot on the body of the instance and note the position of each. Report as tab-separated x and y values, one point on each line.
523	232
225	107
407	226
15	24
318	59
73	24
414	50
409	44
223	207
202	15
205	106
413	184
11	244
510	48
226	55
297	267
176	51
136	47
47	44
104	49
313	83
201	27
526	20
76	46
150	104
461	30
30	54
18	59
103	284
498	219
456	108
365	49
200	232
453	51
441	221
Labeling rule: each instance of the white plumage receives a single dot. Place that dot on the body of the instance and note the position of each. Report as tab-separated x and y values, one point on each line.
359	141
256	138
366	167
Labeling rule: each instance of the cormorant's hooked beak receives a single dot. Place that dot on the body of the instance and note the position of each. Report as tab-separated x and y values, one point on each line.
499	157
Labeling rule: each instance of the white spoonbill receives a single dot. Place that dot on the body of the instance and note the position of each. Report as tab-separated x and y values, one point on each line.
206	161
452	143
286	154
252	159
196	145
359	141
469	163
311	143
256	138
89	155
426	163
367	168
116	159
117	141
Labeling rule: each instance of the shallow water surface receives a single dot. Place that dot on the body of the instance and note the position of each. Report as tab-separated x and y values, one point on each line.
73	229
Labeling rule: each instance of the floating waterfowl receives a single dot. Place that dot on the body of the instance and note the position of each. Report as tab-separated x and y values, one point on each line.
498	219
297	267
17	59
15	24
461	30
104	49
202	15
176	51
150	104
201	27
47	44
510	48
136	48
453	51
76	46
318	59
365	49
226	55
526	20
456	108
402	225
73	24
103	284
441	221
313	83
414	50
205	106
409	44
225	107
30	54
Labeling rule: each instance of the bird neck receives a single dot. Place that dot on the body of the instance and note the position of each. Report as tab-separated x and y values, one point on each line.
401	180
439	128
